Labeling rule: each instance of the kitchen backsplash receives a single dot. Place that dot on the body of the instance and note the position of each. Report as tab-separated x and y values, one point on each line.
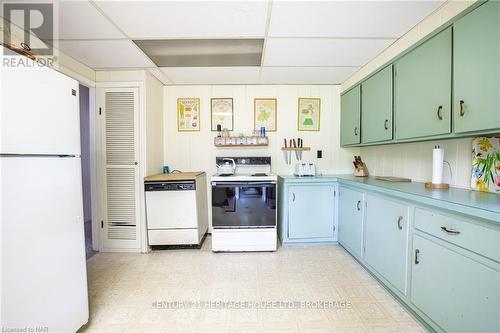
414	160
195	150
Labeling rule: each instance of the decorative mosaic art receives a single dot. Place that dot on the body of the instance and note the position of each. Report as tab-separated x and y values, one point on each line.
486	164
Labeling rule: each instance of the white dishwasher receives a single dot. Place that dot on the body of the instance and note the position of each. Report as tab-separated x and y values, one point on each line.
176	208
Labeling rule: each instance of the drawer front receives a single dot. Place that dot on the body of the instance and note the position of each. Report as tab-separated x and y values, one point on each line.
476	238
173	237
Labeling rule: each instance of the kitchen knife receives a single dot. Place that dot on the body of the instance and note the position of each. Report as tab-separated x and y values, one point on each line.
285	153
300	144
296	152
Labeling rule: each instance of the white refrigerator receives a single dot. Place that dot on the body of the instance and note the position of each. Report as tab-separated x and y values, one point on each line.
43	266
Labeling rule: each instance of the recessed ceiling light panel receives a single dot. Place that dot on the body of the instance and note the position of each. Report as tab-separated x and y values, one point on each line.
203	52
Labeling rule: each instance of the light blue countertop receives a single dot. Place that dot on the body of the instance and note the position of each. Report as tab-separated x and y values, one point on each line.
474	203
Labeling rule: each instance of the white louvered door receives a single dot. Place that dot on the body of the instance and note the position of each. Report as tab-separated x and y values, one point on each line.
120	114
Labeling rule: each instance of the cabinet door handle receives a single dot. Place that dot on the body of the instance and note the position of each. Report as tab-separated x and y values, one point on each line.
417	253
386	124
400	226
462	110
355	131
440	116
293	196
450	231
358	205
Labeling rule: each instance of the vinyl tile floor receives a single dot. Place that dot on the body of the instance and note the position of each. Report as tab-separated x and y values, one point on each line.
296	289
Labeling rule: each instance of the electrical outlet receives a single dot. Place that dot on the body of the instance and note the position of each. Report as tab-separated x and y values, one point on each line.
319	153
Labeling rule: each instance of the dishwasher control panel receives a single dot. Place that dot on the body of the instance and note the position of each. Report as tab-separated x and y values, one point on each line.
170	186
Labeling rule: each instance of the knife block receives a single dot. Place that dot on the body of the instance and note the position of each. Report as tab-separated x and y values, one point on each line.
361	171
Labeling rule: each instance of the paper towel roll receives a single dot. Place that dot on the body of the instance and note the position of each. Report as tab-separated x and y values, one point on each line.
437	165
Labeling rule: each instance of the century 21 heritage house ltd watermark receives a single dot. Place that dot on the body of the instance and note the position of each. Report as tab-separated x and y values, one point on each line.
29	27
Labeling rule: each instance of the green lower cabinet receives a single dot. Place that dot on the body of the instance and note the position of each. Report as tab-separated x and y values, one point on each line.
350	131
386	239
476	70
350	222
422	89
459	294
376	107
311	211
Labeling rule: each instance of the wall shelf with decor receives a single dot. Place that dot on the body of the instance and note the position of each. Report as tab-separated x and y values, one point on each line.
247	141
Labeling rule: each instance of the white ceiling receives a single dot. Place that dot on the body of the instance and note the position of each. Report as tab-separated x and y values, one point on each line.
315	42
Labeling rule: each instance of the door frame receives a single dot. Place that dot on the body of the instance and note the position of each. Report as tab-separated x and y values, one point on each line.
93	159
99	166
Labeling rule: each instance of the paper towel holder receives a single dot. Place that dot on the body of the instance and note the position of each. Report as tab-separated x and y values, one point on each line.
437	160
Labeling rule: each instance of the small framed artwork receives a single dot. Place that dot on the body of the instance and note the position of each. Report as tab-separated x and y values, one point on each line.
309	114
222	113
188	114
264	113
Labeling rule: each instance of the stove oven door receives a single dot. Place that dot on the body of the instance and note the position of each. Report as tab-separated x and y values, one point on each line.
248	204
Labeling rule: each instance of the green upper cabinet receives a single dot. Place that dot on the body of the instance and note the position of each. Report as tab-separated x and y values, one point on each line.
476	70
376	106
422	89
350	132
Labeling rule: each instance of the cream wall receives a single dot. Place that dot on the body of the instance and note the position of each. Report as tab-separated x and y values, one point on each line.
414	160
154	125
191	151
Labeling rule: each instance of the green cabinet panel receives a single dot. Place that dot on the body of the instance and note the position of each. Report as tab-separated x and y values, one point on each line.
311	212
422	89
376	107
350	222
350	131
456	292
476	69
386	239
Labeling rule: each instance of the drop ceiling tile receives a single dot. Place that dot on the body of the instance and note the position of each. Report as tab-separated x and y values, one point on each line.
82	20
212	75
347	18
188	19
106	54
306	75
321	51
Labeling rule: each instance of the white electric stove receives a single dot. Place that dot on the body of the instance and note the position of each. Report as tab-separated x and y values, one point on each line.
244	207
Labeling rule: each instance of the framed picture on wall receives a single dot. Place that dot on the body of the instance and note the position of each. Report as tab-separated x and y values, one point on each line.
309	114
222	113
264	113
188	114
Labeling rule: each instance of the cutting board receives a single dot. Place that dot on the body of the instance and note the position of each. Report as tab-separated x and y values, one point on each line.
176	176
393	179
486	165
